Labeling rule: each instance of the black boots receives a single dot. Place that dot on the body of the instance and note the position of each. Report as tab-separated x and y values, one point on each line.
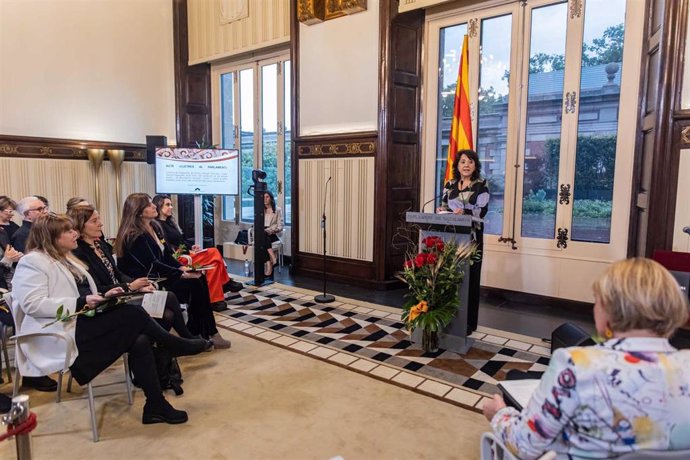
162	412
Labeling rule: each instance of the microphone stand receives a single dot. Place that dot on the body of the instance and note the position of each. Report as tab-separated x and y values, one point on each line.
324	298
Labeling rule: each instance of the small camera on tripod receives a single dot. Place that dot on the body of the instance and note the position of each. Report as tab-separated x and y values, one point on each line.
258	175
259	186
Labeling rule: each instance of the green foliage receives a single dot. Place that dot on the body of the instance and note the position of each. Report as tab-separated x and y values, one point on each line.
594	165
592	208
536	203
605	49
541	62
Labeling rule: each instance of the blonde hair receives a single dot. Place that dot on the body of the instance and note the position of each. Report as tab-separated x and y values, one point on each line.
639	293
45	231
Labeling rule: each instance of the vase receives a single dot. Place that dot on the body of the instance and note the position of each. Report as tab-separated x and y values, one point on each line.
430	341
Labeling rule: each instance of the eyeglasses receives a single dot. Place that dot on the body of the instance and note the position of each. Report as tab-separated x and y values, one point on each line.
40	209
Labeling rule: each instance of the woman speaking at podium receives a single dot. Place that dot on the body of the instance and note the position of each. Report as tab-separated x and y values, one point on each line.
467	193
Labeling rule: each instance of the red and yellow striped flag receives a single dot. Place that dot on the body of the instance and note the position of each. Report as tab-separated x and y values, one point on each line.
461	127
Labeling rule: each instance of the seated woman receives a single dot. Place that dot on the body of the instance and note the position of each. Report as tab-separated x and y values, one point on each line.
48	277
97	255
627	394
8	257
141	253
218	279
7	208
273	225
76	201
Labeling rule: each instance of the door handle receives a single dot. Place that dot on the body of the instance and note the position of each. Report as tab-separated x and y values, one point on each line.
686	230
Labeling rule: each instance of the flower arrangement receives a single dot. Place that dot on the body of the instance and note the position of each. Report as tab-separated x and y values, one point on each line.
433	278
180	251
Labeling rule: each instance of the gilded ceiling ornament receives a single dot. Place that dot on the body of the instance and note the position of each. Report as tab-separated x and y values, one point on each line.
575	8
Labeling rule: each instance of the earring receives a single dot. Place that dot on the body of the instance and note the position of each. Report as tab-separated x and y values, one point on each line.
608	333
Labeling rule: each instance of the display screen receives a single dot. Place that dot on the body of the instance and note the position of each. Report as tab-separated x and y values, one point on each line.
197	171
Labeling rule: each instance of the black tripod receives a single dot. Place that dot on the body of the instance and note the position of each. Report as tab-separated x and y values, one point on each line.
324	298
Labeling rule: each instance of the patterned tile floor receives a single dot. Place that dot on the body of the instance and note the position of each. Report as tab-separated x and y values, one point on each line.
370	339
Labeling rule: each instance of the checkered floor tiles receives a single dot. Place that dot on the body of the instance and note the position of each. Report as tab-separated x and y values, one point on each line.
373	341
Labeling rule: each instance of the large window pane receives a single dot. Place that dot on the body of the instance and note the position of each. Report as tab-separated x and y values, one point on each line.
492	123
543	123
269	125
246	141
450	50
227	121
287	212
599	97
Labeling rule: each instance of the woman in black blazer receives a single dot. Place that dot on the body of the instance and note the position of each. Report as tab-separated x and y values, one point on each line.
141	253
98	257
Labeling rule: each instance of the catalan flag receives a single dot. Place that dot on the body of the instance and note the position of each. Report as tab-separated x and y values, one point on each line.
461	127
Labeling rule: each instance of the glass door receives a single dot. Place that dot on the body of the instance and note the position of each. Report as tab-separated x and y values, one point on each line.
553	89
254	117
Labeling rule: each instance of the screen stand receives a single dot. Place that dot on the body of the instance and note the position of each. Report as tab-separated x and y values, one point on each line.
198	221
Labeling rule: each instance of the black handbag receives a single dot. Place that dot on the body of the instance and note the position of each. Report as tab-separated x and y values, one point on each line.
168	369
242	237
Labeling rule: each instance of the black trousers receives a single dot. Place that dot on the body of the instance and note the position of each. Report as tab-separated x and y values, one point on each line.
474	287
194	292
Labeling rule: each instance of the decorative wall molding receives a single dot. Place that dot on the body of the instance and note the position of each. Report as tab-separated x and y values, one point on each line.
70	149
341	145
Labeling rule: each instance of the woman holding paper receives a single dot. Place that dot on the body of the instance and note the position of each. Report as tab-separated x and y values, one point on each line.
629	393
98	257
49	278
141	253
218	279
467	193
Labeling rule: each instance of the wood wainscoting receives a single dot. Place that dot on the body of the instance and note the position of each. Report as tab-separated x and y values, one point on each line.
348	159
66	149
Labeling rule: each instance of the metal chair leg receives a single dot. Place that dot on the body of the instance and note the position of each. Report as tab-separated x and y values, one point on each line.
128	379
92	411
59	387
69	383
5	338
17	378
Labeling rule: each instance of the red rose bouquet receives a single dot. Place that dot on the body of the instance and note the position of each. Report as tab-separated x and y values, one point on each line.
433	277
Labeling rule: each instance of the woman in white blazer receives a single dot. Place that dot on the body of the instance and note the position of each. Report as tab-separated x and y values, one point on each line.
48	277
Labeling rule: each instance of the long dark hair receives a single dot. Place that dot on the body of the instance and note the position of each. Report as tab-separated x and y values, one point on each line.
131	226
273	200
472	155
158	200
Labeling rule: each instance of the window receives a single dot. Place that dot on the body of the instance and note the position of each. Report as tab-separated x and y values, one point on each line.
545	89
255	119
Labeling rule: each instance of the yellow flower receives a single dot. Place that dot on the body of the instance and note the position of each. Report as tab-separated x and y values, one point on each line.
417	310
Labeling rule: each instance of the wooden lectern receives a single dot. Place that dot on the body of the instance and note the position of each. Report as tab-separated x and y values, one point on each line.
457	228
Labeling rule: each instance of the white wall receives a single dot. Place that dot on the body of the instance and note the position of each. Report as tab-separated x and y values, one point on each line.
339	74
92	69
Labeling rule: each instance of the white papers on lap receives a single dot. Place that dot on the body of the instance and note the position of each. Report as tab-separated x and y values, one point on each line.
154	303
519	390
